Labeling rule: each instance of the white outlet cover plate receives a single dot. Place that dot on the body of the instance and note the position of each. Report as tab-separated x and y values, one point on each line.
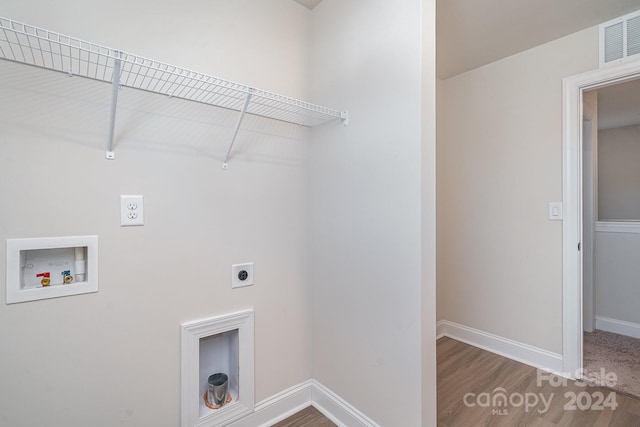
235	271
131	210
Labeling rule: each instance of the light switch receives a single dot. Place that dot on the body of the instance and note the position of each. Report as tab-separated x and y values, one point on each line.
555	211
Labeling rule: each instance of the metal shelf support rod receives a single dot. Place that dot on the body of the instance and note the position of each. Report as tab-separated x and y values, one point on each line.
247	100
114	104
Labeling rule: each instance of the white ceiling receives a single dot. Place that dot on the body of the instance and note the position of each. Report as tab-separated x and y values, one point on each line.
471	33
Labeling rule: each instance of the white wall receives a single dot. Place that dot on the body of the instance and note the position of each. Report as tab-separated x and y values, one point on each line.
366	206
616	269
113	358
428	183
236	40
618	173
499	157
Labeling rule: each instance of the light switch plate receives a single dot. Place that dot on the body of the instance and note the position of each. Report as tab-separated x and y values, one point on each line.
555	211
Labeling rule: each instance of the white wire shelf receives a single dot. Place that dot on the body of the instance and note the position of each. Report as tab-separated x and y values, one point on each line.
42	48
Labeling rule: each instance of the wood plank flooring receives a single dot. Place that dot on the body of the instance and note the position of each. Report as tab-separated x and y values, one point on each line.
308	417
481	376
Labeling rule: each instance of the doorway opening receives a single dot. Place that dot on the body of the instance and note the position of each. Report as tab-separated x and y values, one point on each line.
581	207
611	236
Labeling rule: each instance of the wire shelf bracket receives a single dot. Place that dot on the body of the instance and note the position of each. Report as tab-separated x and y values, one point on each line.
247	100
26	44
115	88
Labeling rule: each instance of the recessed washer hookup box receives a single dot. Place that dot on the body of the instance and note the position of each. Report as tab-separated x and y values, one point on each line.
50	267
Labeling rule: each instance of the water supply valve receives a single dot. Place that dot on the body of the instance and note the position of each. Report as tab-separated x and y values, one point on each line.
46	278
66	277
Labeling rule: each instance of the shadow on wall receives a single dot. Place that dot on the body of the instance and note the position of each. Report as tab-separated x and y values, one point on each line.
76	110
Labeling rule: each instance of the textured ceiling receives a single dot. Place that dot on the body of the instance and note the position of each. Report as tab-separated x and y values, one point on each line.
472	33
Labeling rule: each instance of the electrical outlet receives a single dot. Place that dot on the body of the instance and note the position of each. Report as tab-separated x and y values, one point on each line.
131	210
241	275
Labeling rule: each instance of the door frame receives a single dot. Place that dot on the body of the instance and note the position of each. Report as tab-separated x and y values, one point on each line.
572	116
589	212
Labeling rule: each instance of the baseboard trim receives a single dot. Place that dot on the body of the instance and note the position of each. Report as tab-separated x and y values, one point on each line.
337	409
286	403
524	353
278	407
440	329
618	326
